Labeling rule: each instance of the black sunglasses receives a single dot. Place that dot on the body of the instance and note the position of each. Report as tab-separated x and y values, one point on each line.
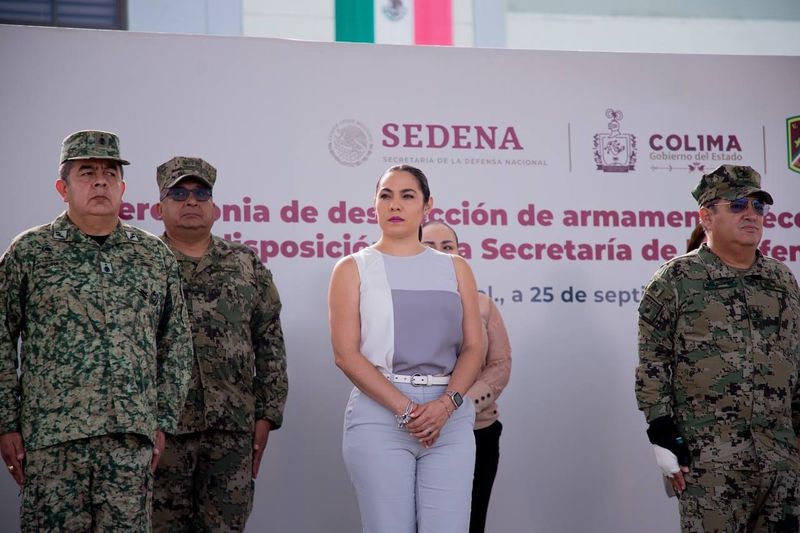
180	194
740	205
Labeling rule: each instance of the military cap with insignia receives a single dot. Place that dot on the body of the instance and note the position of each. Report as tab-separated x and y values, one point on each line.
91	144
173	171
730	182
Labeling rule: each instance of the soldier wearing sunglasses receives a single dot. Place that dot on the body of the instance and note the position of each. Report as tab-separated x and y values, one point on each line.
719	355
238	388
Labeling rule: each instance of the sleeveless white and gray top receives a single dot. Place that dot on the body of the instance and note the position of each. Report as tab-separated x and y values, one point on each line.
410	312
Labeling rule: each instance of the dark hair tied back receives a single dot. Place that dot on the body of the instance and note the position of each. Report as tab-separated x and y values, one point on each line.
422	180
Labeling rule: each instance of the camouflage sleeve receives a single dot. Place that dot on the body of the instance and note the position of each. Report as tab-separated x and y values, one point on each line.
270	384
796	399
175	351
795	335
12	289
657	318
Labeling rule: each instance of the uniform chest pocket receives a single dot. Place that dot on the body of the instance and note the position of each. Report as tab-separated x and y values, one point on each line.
714	320
227	293
235	301
139	291
770	312
59	278
710	345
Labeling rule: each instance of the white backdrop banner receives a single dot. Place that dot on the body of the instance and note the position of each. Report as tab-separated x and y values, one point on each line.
567	176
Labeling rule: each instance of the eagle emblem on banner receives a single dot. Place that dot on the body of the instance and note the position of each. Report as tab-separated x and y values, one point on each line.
614	151
793	142
350	142
394	10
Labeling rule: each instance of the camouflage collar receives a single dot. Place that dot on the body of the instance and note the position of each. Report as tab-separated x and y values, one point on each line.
216	253
63	229
718	269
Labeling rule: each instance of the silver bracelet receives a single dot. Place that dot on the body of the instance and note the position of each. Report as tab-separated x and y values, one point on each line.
405	418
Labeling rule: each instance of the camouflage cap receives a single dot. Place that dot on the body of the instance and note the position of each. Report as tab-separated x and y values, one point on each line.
730	182
91	144
180	167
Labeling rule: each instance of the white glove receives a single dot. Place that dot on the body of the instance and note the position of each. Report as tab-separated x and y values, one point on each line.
666	460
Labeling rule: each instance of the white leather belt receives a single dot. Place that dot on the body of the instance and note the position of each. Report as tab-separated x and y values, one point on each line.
418	380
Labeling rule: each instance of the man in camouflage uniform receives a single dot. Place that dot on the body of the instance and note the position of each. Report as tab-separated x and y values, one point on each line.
719	350
106	353
239	384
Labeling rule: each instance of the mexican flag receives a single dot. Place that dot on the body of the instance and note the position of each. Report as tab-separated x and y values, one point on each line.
395	21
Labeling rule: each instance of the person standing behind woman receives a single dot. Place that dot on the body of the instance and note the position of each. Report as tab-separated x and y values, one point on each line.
495	371
697	238
405	329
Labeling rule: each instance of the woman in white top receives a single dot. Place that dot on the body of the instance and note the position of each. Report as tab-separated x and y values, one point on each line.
406	330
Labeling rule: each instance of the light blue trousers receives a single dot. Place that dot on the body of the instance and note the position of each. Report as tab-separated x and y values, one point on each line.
402	487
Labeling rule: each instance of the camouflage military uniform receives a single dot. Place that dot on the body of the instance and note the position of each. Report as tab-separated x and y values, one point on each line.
105	351
204	480
719	353
114	469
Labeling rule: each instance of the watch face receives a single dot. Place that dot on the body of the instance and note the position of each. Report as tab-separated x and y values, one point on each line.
457	399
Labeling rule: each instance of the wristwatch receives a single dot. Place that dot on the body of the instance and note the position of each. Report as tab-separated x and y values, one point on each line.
456	397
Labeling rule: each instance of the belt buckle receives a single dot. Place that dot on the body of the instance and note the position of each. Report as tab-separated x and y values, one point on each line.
423	380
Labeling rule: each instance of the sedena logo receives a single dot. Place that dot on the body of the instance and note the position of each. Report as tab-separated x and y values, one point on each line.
350	142
457	136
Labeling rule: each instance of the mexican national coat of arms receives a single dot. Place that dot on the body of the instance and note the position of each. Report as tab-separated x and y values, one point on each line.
394	10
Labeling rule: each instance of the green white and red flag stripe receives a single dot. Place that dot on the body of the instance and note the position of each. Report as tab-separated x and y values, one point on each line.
395	21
